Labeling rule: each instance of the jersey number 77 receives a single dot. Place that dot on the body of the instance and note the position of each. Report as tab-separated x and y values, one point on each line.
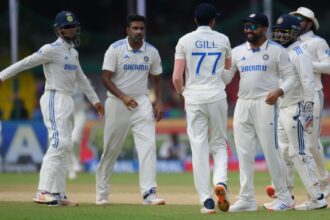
202	55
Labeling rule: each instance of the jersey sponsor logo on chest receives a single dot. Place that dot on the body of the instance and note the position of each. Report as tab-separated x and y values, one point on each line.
253	68
139	67
70	67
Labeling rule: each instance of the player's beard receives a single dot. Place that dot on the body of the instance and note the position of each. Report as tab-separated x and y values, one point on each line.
136	37
252	37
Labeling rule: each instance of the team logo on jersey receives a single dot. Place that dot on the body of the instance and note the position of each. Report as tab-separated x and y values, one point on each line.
66	57
243	58
327	51
126	57
146	59
265	57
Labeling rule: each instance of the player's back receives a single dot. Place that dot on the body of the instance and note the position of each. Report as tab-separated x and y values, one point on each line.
204	51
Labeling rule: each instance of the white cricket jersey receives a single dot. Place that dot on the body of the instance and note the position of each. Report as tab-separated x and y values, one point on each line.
131	67
302	64
319	50
61	67
204	51
260	69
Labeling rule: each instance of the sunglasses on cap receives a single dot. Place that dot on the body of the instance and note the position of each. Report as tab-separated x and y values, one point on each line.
302	18
251	27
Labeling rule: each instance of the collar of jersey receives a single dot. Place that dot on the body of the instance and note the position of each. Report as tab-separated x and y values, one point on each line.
306	35
63	42
262	47
141	49
204	28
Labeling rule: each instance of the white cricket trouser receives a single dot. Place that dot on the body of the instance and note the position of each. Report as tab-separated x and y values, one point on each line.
118	121
294	144
79	123
207	131
57	110
317	148
255	122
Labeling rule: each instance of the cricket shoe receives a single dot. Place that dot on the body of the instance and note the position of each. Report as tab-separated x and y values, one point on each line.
102	200
150	198
220	191
270	191
208	207
44	197
279	205
310	204
62	200
243	206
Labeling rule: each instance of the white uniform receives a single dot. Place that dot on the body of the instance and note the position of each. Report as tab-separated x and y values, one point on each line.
319	50
205	51
131	69
255	122
294	142
62	71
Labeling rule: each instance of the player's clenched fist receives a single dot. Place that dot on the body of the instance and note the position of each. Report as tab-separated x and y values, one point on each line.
100	109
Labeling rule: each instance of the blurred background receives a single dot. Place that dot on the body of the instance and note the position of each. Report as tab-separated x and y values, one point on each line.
24	139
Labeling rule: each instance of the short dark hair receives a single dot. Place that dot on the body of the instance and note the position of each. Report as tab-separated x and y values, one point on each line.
134	17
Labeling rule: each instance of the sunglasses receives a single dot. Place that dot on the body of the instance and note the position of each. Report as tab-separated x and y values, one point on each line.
251	27
302	18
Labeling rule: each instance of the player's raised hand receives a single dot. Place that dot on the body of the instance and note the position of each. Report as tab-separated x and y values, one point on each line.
100	109
129	102
272	96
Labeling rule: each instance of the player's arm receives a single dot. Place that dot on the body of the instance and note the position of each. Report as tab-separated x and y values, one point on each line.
158	106
306	77
286	71
229	71
88	90
44	55
108	83
108	70
323	55
155	74
177	77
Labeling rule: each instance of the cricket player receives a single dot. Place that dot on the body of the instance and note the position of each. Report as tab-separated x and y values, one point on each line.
62	71
296	114
126	67
202	56
319	50
261	63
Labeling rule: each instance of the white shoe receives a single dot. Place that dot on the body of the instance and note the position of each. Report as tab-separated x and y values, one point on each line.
153	199
312	204
102	200
243	206
44	197
208	207
279	205
325	188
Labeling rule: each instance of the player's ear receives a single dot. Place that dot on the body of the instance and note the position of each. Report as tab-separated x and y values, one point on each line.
196	22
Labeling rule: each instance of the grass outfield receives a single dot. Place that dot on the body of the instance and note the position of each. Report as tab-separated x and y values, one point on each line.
17	191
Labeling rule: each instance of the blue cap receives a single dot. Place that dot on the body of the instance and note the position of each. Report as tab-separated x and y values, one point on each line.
206	12
65	18
257	18
287	21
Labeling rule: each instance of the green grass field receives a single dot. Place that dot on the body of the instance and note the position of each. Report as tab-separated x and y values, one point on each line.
17	191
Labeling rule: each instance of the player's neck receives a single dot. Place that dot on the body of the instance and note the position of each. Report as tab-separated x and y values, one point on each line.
135	44
258	43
